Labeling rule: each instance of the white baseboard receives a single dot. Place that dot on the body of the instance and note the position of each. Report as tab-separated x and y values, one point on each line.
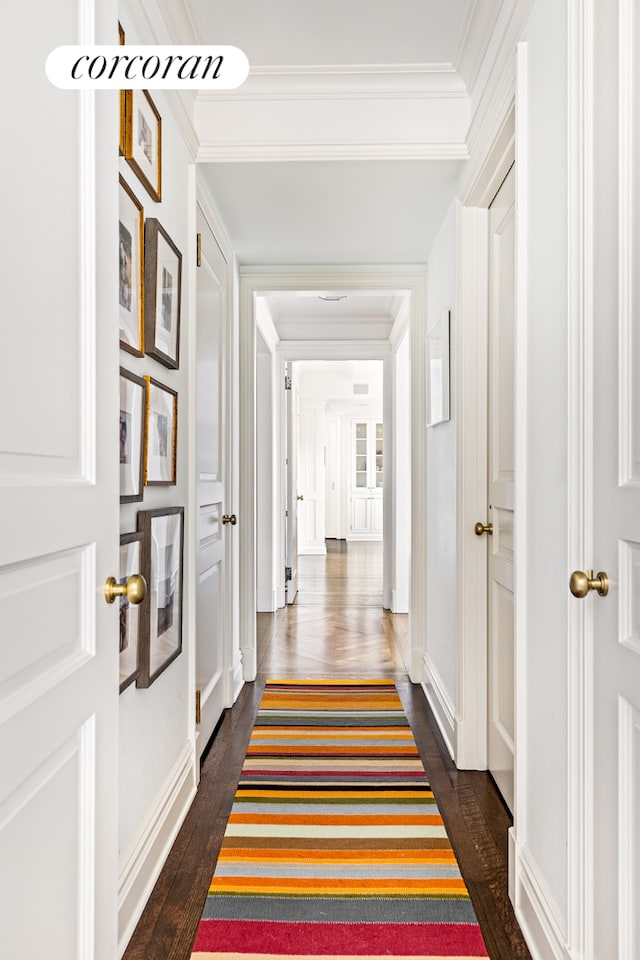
398	606
267	602
312	550
236	682
139	874
441	705
536	912
511	862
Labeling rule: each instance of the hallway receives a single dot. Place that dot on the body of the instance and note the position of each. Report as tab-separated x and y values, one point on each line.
336	628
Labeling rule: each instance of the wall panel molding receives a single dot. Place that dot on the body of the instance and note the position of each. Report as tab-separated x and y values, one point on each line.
144	863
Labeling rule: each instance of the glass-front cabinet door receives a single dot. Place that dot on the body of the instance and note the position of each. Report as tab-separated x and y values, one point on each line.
367	476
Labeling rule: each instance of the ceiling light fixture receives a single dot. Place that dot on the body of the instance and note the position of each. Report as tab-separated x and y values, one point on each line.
333	299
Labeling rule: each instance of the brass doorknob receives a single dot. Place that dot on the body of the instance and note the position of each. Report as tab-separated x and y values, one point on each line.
230	518
300	496
134	589
481	528
582	582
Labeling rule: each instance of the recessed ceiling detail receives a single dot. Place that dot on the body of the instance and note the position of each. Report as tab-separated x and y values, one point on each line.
361	108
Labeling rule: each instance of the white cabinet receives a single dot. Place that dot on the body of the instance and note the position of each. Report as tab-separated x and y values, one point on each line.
366	478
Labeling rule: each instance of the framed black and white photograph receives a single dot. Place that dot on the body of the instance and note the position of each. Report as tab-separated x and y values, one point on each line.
438	371
162	564
163	288
143	148
133	399
161	434
131	270
130	613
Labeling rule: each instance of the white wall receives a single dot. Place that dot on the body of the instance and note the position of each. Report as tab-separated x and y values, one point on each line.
157	777
440	658
544	826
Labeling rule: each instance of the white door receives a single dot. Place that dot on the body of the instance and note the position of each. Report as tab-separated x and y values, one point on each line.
213	637
59	673
615	539
366	480
291	508
501	435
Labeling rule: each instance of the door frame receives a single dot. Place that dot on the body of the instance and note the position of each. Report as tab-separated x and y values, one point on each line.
580	505
256	282
231	660
506	145
471	386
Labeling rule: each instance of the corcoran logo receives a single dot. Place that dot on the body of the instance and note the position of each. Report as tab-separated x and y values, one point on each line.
144	67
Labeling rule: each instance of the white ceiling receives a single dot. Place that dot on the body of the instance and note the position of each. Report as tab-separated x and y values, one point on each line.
334	380
347	142
359	212
355	317
290	32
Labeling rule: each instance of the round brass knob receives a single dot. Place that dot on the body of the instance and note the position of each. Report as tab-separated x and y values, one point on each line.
300	496
481	528
134	589
581	583
230	518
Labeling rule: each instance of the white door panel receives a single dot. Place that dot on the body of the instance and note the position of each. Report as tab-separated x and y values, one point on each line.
501	486
212	613
291	506
59	477
616	486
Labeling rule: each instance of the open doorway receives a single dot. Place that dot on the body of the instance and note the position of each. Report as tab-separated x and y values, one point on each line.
340	469
312	315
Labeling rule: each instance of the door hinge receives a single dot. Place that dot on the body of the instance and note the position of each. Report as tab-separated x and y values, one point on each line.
287	382
198	709
198	249
288	574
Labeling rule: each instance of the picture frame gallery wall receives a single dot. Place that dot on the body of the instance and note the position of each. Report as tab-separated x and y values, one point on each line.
150	304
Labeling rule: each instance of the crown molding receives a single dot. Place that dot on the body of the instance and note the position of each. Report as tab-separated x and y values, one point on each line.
294	150
349	81
150	23
179	20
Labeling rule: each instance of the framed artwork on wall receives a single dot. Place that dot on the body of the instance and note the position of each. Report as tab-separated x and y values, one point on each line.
133	399
143	140
438	371
163	291
130	613
162	565
131	271
161	434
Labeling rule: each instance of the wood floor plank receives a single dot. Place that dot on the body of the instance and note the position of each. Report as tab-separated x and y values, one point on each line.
332	632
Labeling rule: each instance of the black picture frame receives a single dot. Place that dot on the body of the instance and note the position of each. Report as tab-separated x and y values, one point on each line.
132	429
162	567
162	295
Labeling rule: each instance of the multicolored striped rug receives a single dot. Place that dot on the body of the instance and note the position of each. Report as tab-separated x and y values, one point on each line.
335	847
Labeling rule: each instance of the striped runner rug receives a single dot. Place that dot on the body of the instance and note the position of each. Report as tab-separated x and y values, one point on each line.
335	847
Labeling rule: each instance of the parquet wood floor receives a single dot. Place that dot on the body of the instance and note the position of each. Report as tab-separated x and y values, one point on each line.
336	628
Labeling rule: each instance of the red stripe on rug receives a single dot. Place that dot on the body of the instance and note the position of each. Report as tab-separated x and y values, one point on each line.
254	937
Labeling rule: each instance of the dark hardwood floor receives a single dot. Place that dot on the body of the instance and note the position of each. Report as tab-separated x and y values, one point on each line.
337	627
